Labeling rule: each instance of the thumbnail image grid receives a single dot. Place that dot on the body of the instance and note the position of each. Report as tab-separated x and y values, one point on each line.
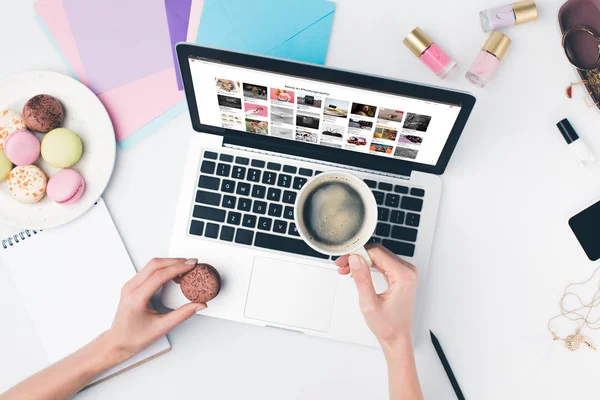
405	152
334	132
363	110
227	86
303	135
336	108
377	148
357	140
256	126
410	139
282	115
417	122
307	120
230	102
390	114
309	100
282	96
385	133
255	110
360	124
252	91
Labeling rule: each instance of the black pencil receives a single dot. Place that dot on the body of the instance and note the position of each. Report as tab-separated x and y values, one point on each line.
444	360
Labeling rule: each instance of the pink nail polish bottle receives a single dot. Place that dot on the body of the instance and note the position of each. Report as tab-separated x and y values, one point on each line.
488	59
430	53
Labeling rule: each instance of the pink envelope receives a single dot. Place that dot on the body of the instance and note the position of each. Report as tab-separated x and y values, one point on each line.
130	106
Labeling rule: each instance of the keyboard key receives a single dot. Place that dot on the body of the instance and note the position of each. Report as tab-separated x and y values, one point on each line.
234	218
379	197
260	207
279	226
223	169
212	231
401	189
258	163
275	210
227	186
196	228
403	233
305	172
226	158
228	201
238	172
274	194
411	204
397	217
392	200
274	166
208	182
211	155
289	197
290	169
243	189
208	167
243	236
244	205
227	233
288	213
214	199
264	224
254	175
371	184
383	214
299	182
383	230
400	248
318	172
212	214
374	240
285	244
293	230
242	160
417	192
413	219
259	191
385	186
269	178
249	221
284	180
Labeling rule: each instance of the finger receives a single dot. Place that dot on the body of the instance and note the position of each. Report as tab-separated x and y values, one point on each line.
154	265
160	277
344	270
342	261
389	263
176	317
364	283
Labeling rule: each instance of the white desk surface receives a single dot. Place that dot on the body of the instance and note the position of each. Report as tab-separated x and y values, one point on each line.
502	254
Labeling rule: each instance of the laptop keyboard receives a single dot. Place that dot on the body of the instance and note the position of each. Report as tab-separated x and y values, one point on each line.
251	202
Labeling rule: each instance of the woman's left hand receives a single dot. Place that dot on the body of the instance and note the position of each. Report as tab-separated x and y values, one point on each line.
137	325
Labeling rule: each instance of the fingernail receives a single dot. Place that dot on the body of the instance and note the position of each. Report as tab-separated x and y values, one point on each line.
354	262
191	261
200	308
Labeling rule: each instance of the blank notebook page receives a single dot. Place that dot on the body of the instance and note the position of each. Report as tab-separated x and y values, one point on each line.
69	280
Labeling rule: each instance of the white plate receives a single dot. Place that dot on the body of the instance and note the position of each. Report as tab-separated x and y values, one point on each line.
84	115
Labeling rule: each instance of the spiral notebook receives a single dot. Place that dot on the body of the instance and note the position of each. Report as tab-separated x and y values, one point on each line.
69	280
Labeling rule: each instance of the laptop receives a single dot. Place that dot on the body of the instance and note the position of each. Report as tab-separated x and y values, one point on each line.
265	126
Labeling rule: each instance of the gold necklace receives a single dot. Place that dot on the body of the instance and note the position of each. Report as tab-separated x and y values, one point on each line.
572	342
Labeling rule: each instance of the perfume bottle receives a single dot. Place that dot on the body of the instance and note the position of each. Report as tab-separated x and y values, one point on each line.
508	15
429	53
488	59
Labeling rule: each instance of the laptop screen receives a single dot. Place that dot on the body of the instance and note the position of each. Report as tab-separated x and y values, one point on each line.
321	113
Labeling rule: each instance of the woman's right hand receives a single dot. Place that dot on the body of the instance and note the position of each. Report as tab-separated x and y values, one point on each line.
389	315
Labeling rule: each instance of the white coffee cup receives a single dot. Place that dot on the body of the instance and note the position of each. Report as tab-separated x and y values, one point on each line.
341	193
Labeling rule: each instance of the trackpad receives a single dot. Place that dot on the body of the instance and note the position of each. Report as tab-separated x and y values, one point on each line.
291	294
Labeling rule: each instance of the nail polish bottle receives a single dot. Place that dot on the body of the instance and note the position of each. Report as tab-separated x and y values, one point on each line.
508	15
488	59
577	145
430	53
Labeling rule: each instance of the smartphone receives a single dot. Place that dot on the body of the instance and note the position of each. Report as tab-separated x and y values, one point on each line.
586	227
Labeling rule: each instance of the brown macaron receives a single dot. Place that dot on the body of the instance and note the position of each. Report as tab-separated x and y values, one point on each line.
42	113
201	284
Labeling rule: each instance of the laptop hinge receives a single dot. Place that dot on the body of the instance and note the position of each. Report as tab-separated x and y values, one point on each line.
316	161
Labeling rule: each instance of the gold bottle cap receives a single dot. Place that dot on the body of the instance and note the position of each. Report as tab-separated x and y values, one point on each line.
497	44
417	41
525	11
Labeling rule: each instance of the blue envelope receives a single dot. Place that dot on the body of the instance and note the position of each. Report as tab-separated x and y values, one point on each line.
293	29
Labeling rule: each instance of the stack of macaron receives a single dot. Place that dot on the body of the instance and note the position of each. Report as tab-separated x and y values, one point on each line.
60	148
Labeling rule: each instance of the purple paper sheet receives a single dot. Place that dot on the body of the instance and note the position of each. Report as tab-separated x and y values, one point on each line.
178	16
119	41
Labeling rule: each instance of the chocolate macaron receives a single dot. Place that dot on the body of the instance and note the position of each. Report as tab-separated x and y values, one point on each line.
42	113
201	284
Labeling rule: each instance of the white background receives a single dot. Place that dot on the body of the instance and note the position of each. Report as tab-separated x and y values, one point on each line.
502	254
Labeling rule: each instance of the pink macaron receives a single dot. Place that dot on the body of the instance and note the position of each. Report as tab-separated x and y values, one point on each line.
65	187
22	147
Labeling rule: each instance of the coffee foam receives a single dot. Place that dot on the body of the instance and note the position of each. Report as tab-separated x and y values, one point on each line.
334	214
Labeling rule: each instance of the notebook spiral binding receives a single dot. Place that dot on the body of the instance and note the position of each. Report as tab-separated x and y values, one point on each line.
19	237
